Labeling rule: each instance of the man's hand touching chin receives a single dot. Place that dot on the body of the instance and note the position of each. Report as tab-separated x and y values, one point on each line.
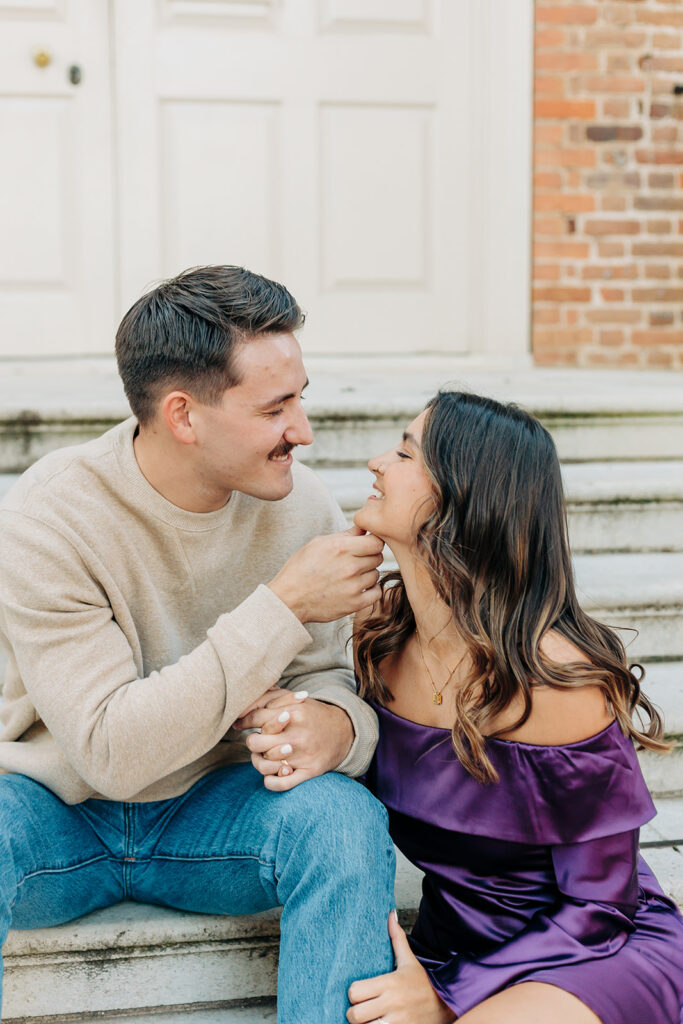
311	736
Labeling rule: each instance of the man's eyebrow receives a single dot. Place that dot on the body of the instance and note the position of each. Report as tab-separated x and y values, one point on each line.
410	439
279	399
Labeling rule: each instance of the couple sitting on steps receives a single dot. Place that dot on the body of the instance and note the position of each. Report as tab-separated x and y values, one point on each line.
181	724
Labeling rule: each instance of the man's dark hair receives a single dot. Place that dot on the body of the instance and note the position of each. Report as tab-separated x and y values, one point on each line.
185	332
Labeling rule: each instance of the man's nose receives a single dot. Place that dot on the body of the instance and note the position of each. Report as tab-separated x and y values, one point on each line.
300	431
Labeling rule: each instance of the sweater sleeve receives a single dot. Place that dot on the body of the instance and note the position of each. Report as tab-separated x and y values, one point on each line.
591	918
82	675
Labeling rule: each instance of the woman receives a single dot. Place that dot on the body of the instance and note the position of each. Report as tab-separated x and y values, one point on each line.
506	754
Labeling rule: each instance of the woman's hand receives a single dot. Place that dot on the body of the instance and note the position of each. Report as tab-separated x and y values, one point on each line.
404	997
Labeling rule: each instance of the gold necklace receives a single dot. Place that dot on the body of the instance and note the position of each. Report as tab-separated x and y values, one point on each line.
437	698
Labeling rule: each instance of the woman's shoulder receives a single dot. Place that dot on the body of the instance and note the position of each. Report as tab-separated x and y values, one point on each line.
559	715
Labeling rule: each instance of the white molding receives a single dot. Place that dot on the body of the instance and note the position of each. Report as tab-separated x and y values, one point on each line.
196	12
501	181
338	21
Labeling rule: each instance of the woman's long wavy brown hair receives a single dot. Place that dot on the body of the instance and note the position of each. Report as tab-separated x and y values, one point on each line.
497	552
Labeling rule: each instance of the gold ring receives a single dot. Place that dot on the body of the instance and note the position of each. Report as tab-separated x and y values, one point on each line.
285	761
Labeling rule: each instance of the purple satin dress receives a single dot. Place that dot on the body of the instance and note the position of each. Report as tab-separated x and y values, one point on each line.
536	877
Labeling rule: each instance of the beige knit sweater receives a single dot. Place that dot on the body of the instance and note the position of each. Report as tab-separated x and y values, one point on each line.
138	632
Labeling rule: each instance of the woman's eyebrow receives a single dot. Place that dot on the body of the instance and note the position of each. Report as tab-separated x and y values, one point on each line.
410	439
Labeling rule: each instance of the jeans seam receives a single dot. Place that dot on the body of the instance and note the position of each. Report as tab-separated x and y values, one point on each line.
58	871
208	858
125	870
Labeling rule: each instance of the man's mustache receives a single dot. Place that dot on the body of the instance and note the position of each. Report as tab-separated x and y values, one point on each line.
282	449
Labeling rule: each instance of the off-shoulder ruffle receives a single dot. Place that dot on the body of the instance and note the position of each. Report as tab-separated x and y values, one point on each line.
545	795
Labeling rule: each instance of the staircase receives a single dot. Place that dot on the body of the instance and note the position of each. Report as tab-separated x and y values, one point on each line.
620	438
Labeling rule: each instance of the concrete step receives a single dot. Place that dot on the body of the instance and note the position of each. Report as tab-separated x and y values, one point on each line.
625	506
139	964
620	506
256	1013
667	827
360	407
642	592
137	958
663	684
264	1013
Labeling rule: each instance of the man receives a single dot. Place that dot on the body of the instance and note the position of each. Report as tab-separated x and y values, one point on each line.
160	585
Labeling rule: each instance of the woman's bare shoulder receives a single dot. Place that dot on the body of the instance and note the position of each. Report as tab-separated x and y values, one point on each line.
560	715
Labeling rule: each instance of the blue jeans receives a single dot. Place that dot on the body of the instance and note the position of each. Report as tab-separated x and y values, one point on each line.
227	846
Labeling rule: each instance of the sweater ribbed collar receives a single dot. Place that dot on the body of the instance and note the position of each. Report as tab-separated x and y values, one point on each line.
151	499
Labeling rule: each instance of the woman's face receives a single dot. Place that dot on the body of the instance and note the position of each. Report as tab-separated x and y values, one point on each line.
404	497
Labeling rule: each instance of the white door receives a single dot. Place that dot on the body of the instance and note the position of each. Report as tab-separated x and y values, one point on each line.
56	238
320	142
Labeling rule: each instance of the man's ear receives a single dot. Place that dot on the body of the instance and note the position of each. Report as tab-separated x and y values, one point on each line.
176	409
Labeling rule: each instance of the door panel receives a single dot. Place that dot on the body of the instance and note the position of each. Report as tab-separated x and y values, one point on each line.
205	212
56	257
34	199
360	198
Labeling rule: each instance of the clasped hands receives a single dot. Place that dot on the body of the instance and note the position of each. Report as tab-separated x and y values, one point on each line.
312	736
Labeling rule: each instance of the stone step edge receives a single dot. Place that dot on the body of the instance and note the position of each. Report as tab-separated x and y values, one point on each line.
23	423
258	1012
337	404
165	1014
129	925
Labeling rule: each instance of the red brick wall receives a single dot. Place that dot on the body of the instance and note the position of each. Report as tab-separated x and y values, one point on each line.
608	183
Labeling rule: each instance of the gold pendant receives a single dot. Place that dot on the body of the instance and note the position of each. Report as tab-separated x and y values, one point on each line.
437	699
